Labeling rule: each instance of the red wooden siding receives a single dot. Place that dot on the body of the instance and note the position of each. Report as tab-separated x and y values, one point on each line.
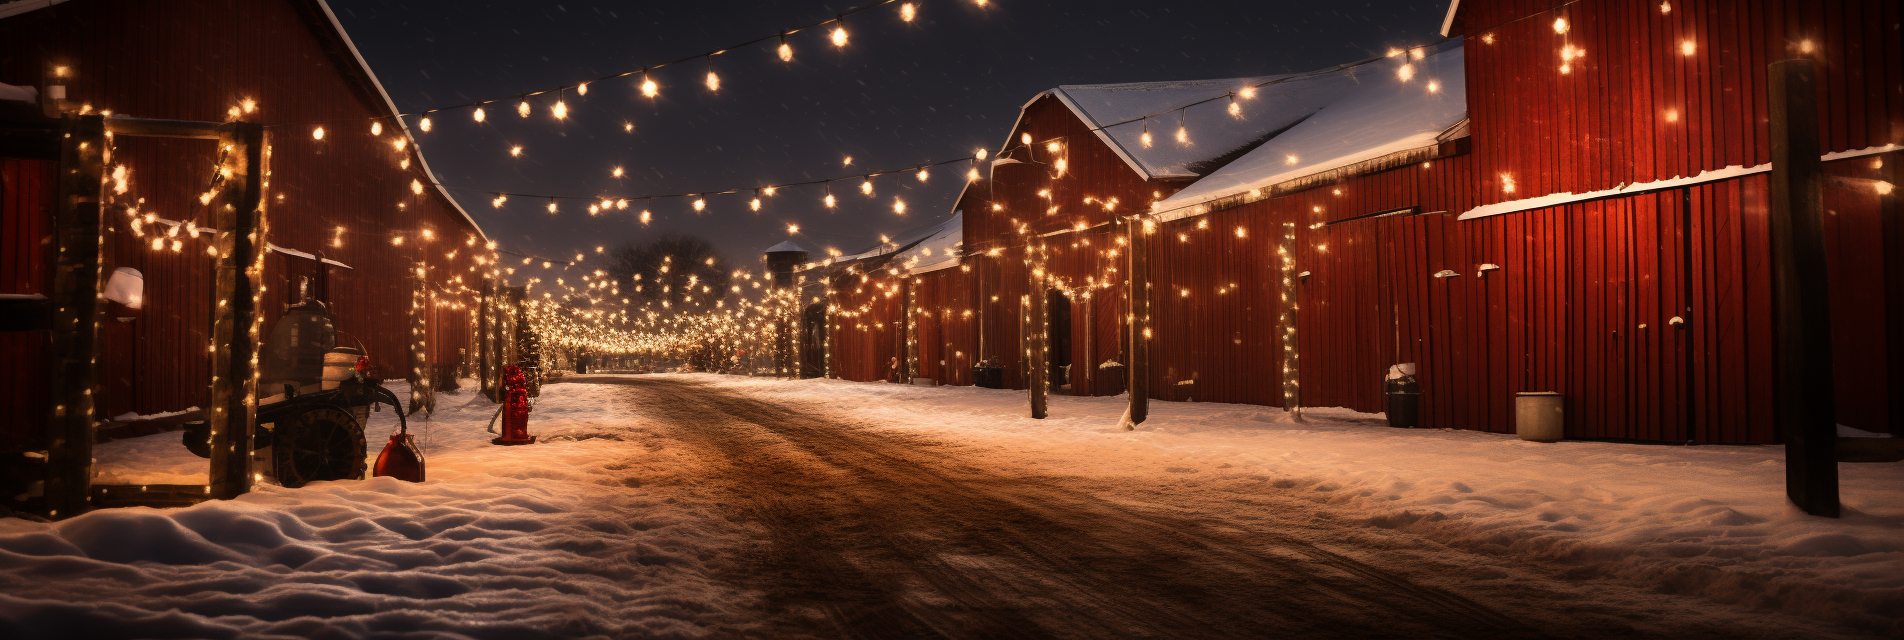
148	59
1636	108
26	197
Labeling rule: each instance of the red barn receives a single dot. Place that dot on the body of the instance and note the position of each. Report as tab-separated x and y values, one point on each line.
360	193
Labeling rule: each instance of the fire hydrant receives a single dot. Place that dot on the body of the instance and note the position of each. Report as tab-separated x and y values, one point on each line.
515	411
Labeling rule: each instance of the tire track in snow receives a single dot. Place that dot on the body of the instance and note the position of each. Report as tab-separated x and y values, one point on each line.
874	534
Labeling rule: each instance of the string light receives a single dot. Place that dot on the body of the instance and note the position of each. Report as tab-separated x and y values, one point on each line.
561	110
907	11
786	50
617	172
479	115
522	108
515	151
317	134
1686	47
646	216
866	186
628	127
648	86
839	34
754	204
1183	134
581	89
1145	138
376	128
923	174
424	124
1560	25
899	206
552	207
1406	72
499	200
700	205
713	79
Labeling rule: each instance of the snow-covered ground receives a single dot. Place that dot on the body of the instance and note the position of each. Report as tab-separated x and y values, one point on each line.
600	529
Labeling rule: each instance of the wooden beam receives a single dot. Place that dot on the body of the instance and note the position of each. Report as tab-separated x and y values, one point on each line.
1037	351
78	277
1805	408
1138	290
240	240
159	128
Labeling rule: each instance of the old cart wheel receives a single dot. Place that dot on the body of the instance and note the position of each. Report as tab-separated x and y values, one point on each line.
323	443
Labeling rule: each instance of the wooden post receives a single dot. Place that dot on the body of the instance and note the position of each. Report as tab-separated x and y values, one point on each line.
1801	295
484	338
1138	289
912	330
240	244
78	278
1291	324
1036	351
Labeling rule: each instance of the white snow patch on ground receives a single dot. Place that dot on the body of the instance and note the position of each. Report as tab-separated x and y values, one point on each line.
588	533
600	529
1706	521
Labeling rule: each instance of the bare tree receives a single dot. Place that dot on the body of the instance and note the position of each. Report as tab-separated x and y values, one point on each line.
671	274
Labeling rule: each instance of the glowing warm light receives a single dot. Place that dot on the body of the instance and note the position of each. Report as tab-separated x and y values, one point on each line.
899	206
1289	159
1883	188
1665	7
755	204
646	216
1236	109
1183	135
248	105
1393	52
1507	183
830	201
769	191
923	174
581	89
424	124
1407	72
317	134
498	202
1686	47
786	52
1560	25
1241	232
398	241
416	187
648	87
1052	147
980	155
972	175
617	172
376	128
515	151
793	228
628	127
1247	93
1806	46
1487	38
700	205
907	11
1434	87
479	115
1060	165
866	187
713	81
621	205
1672	115
522	108
839	36
552	208
1145	138
399	143
561	110
1024	138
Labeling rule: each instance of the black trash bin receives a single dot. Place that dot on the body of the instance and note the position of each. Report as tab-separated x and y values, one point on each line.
1404	396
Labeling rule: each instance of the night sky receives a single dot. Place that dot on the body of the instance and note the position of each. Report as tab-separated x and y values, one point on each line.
897	95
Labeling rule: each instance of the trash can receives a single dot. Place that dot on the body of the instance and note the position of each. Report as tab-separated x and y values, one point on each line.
1404	396
1540	416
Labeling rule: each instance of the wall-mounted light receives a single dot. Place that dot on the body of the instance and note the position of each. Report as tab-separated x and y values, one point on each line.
1485	267
1447	273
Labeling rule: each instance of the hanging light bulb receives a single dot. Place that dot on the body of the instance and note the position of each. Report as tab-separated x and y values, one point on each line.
1248	93
769	191
616	172
839	34
498	202
646	216
923	174
972	175
376	128
621	205
628	127
713	80
515	151
479	115
317	134
866	186
793	229
830	201
581	89
980	155
1145	138
648	86
899	206
522	108
1024	139
786	50
561	110
424	124
1183	134
700	205
755	204
907	12
551	205
1406	73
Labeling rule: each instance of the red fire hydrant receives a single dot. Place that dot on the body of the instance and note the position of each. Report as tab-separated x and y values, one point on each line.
515	411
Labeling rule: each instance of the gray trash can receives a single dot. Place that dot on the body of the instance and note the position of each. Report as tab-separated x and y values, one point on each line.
1540	416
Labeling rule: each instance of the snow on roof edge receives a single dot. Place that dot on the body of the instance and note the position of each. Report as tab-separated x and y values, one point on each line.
398	116
1098	129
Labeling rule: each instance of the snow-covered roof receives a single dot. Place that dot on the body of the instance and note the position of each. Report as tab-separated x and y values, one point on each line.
939	249
1213	131
786	245
1370	111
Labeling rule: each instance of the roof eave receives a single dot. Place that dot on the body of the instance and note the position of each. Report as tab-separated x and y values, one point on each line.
1447	21
1105	136
397	115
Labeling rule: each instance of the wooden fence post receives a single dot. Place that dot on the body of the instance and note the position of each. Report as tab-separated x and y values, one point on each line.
1036	351
240	242
1801	296
78	278
1138	289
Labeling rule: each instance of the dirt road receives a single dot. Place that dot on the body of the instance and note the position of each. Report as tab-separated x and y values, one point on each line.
872	533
